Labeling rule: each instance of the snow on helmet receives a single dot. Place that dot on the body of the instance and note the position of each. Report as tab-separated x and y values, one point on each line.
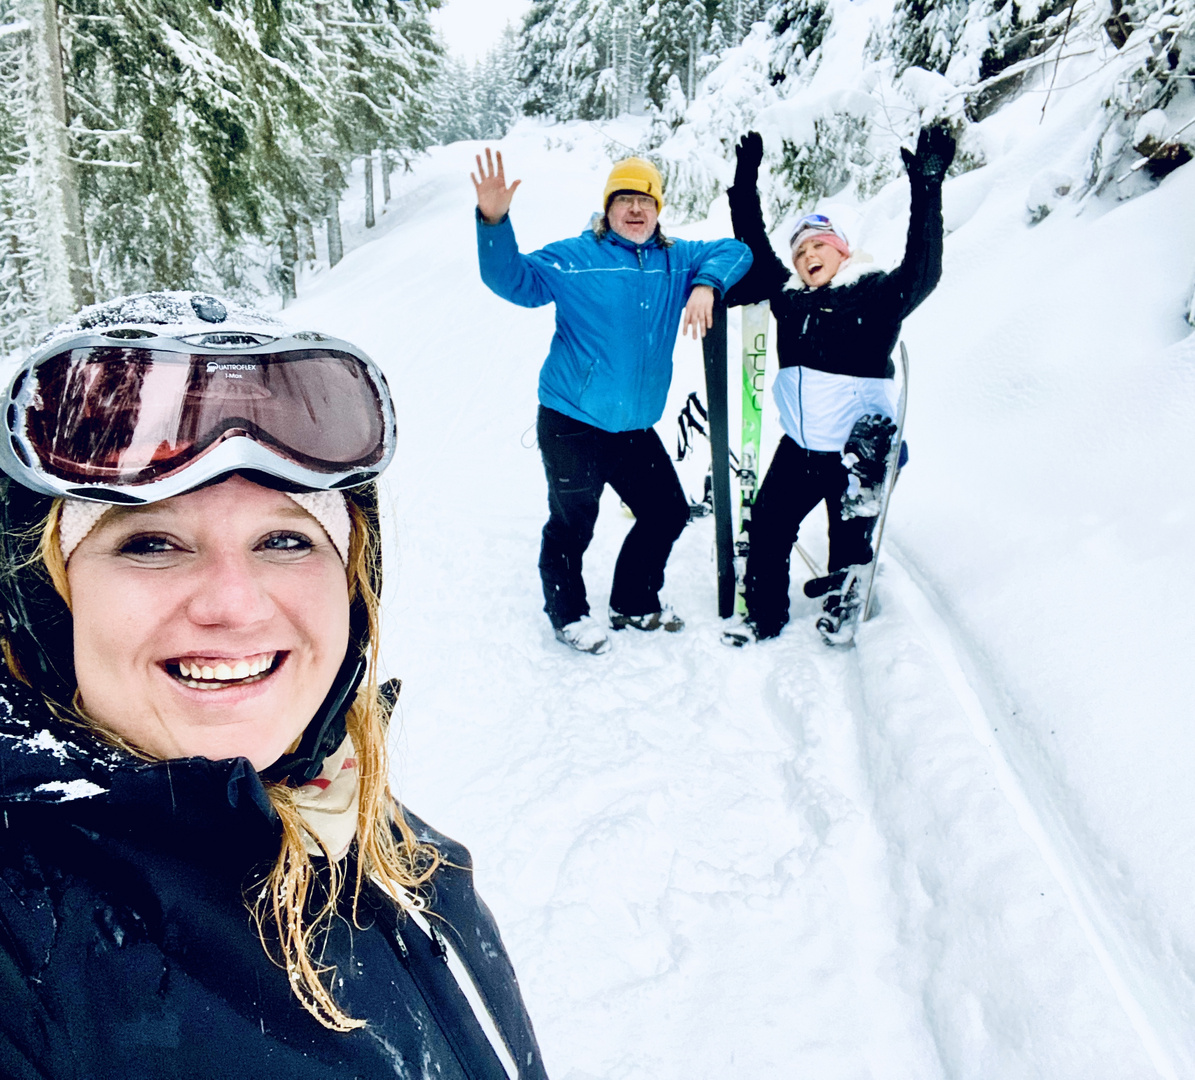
147	397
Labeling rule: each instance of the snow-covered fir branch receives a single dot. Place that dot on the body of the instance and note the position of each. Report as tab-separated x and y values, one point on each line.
202	141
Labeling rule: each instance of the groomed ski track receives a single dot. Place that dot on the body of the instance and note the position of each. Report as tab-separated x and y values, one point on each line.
781	861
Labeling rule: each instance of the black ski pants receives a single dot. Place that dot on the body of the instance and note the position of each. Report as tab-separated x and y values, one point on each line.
797	480
580	460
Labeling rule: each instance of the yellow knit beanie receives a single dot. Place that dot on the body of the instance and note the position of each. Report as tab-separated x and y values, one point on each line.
635	174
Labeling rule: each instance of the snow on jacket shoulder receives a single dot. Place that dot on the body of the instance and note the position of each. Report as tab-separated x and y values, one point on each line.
618	308
127	950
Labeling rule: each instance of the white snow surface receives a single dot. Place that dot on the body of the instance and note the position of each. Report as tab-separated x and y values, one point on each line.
962	848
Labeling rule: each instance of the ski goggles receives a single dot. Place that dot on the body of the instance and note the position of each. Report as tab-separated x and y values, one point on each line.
813	223
141	420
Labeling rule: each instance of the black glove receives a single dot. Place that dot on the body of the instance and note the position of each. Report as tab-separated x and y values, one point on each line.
749	153
935	152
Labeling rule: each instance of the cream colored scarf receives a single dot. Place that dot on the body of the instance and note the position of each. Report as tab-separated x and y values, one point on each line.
328	804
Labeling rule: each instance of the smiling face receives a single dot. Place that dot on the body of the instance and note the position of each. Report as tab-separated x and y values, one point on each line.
816	261
208	625
633	216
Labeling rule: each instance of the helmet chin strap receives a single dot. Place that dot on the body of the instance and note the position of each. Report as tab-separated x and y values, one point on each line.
327	728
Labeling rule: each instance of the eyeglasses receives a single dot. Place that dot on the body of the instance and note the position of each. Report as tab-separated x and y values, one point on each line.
638	202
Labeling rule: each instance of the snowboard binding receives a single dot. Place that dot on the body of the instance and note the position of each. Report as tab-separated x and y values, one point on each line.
840	608
865	456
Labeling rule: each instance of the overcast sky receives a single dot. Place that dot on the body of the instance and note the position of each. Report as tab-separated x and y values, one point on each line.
471	26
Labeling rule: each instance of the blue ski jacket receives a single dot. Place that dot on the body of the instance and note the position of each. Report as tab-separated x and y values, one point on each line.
618	305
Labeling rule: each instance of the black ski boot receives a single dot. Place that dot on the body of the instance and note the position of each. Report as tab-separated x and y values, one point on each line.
865	456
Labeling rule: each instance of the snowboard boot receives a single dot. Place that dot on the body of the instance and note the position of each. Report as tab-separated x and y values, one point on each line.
665	619
840	609
865	456
819	586
586	635
745	632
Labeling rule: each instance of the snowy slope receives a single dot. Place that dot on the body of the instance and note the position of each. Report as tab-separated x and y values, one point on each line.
959	850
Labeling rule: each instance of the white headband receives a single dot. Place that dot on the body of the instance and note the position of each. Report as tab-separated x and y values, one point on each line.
79	517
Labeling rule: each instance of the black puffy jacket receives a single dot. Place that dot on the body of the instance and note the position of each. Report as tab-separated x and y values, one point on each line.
126	948
848	329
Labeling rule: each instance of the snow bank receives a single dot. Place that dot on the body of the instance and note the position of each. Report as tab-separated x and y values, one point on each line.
963	849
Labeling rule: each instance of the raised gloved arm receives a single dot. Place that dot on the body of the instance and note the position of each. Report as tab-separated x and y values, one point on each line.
921	268
748	155
934	153
768	274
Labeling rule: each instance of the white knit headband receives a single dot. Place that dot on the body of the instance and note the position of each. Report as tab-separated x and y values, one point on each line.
79	517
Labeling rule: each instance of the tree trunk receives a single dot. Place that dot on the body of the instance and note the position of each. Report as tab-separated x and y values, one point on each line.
288	252
62	168
309	252
386	167
332	191
612	101
370	221
691	87
335	239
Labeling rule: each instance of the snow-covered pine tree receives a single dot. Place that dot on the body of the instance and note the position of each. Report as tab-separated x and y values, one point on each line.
68	273
455	101
543	66
495	88
384	61
973	40
24	299
798	27
1149	130
388	57
738	16
585	59
674	33
188	125
184	135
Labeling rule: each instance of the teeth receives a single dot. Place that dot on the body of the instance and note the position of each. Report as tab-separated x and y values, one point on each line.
225	671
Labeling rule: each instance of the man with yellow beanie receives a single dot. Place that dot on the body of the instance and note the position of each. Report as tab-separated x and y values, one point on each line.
619	290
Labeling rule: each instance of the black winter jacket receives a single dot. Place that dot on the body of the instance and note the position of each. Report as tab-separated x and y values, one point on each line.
848	329
126	948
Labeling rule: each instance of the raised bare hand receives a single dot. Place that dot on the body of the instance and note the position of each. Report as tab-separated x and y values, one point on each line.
493	196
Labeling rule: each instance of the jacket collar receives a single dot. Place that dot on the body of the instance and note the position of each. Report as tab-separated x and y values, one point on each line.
859	265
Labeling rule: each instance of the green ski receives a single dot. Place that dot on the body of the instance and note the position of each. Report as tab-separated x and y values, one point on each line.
755	348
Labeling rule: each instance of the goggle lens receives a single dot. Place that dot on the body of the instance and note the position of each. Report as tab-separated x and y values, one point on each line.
121	415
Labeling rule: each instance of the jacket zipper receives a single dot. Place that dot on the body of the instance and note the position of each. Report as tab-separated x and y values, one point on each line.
642	358
801	403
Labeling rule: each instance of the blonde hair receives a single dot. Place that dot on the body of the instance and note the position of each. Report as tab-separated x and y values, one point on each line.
400	864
